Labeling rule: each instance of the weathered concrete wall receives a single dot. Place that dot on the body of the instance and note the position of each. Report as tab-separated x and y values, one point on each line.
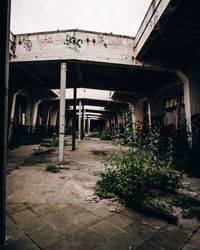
139	111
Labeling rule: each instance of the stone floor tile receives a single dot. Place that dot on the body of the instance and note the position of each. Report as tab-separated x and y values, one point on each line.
150	246
69	245
86	219
120	220
140	230
23	243
14	207
13	231
195	240
190	247
171	237
189	223
126	240
105	229
47	237
106	246
87	236
29	221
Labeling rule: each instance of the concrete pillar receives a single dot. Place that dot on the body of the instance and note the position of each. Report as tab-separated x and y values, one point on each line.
74	122
48	117
186	89
12	112
88	120
149	114
133	118
79	121
28	112
35	113
63	76
84	122
4	62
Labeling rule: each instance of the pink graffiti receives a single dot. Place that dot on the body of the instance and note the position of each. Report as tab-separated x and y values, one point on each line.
44	41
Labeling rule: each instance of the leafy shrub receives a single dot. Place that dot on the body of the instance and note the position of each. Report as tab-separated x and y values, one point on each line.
38	151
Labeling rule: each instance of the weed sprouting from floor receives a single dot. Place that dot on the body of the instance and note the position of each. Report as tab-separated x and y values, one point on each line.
54	168
38	151
143	175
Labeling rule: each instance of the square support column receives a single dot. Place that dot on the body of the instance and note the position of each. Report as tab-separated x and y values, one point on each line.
63	75
186	89
74	122
4	62
79	121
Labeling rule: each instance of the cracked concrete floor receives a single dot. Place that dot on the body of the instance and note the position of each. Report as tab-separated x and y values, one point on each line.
60	211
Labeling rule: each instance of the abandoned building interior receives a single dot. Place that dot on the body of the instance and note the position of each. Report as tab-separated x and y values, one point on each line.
73	82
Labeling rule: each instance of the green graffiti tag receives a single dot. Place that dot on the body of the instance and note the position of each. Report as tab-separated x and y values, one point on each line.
72	40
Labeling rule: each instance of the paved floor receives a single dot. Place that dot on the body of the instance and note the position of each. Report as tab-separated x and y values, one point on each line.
60	211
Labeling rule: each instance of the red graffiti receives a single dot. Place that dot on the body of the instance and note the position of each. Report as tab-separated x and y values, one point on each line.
44	41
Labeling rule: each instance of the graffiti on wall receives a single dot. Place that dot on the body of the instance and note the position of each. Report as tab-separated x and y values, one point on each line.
44	41
72	42
101	39
27	43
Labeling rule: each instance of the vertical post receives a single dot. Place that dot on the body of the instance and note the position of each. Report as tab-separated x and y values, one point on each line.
79	121
133	120
82	121
4	62
63	74
12	113
35	114
48	115
74	122
186	88
88	125
149	114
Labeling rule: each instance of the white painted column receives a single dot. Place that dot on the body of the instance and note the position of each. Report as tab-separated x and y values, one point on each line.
84	122
186	89
35	113
12	113
63	76
79	121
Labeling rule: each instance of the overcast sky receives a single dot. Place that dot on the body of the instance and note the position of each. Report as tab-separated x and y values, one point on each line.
116	16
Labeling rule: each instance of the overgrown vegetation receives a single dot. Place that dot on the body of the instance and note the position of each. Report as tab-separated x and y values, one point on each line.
102	134
143	174
54	168
54	143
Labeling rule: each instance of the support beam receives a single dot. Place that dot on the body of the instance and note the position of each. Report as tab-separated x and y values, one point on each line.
74	122
84	122
79	121
186	89
4	62
63	75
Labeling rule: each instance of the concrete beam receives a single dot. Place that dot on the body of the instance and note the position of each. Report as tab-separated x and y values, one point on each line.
150	22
